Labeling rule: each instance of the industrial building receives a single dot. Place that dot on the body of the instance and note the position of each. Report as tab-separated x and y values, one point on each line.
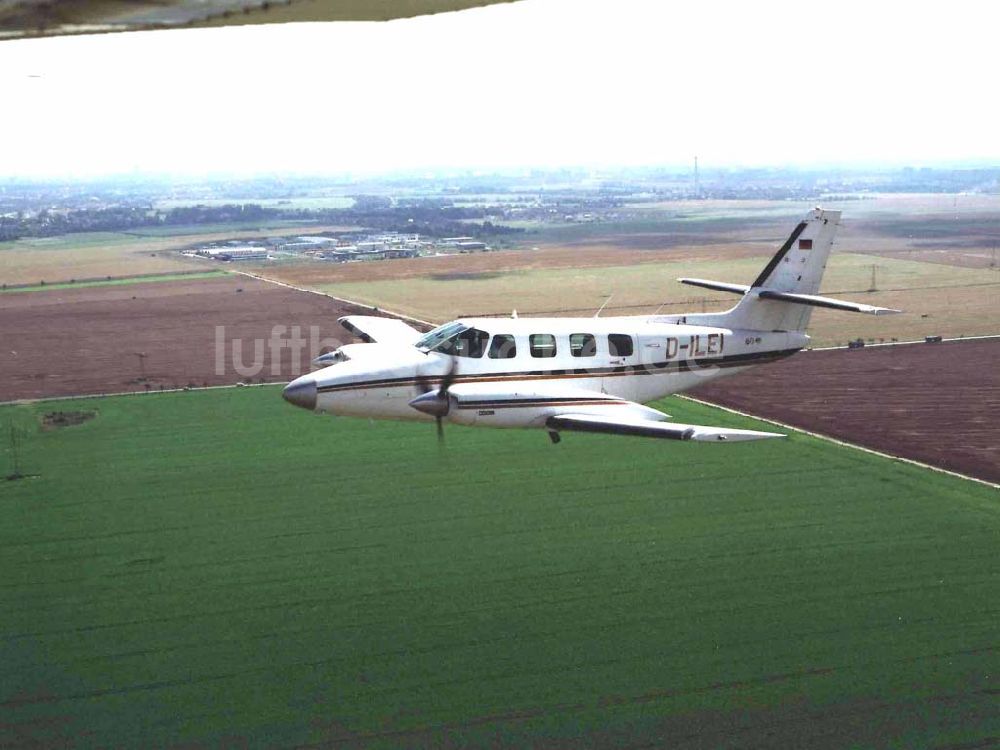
306	244
241	252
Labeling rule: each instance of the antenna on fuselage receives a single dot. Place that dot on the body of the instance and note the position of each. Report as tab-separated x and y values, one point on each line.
513	314
601	308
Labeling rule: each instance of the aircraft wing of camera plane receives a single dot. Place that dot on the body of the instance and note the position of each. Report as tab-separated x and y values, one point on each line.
578	374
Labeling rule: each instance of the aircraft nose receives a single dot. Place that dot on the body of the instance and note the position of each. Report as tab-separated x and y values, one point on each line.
301	392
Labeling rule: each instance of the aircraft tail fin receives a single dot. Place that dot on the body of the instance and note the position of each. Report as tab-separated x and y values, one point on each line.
783	295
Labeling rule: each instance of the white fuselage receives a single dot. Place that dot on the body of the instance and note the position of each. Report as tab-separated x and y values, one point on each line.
518	372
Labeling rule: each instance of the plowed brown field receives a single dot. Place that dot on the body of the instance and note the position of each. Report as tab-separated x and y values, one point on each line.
936	403
89	340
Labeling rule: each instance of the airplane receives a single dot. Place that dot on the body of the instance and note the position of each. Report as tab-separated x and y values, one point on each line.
579	374
36	18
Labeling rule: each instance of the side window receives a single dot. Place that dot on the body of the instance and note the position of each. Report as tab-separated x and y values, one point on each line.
542	345
503	347
469	343
582	345
619	345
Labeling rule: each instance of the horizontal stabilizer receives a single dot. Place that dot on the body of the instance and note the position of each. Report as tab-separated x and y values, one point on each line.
816	301
812	300
719	286
649	428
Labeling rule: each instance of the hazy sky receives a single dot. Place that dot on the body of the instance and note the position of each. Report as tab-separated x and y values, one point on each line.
540	82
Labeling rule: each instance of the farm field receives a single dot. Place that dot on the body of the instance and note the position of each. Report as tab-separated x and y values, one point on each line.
118	281
87	339
216	567
935	403
87	256
332	201
942	228
97	255
936	299
239	229
866	205
932	256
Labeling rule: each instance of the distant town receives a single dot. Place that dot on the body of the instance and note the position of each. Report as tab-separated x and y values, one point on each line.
338	249
403	215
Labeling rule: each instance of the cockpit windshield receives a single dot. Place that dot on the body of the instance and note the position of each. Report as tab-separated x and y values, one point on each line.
439	335
456	340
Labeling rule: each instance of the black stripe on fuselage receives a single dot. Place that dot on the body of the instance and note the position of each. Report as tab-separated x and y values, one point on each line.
658	368
521	403
779	256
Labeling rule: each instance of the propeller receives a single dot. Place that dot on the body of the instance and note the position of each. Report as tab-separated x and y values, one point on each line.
436	403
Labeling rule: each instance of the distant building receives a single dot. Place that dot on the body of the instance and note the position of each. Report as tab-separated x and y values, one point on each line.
454	241
304	244
394	238
240	252
401	252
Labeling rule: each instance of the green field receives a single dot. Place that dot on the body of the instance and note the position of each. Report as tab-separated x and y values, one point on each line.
150	250
312	202
246	228
119	282
208	566
76	241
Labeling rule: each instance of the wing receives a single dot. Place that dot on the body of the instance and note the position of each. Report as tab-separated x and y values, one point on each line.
627	425
25	18
558	407
371	329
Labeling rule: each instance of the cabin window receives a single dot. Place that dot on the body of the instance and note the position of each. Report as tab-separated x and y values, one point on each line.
542	345
620	345
582	345
471	343
503	346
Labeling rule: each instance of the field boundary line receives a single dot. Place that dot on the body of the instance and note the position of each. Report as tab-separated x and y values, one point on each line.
906	343
45	399
394	314
837	441
92	280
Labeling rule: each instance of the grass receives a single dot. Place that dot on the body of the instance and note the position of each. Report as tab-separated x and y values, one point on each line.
86	255
243	228
661	221
209	566
118	282
143	251
77	241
